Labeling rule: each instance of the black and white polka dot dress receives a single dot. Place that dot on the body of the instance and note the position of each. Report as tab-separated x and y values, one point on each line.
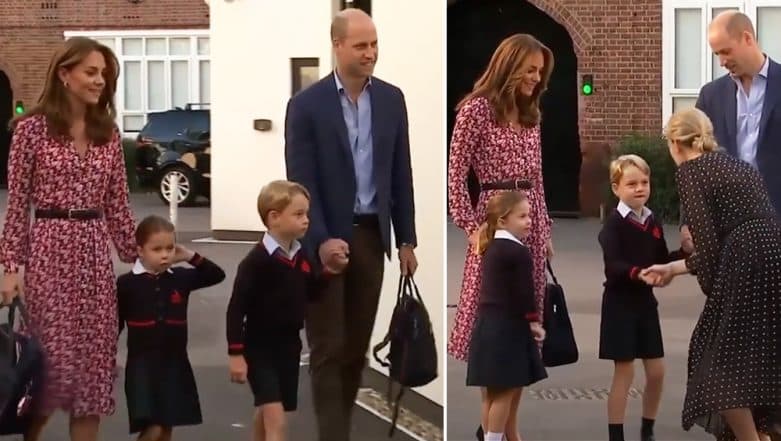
735	350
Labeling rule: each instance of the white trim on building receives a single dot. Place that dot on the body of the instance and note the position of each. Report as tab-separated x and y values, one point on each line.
159	70
688	61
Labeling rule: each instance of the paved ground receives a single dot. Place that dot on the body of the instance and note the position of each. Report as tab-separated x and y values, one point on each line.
227	408
571	403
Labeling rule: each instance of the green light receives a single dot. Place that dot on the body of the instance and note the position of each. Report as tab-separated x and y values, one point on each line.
587	84
19	108
587	90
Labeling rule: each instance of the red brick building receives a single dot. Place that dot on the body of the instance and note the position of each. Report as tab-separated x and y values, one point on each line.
647	57
162	47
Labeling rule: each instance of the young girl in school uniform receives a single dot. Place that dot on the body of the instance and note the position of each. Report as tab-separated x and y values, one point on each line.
504	353
152	301
632	240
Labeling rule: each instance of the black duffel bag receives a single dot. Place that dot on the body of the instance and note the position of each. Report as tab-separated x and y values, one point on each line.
412	358
21	373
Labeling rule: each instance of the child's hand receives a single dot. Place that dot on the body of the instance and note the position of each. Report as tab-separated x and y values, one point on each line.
538	332
657	275
337	262
650	278
182	254
238	369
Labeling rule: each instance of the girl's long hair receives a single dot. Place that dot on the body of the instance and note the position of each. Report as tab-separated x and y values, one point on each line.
499	82
53	102
499	206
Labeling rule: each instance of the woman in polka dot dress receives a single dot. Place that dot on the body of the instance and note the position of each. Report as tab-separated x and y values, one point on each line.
497	133
734	370
66	163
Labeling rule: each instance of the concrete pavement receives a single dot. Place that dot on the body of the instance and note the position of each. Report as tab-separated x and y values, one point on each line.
227	408
571	404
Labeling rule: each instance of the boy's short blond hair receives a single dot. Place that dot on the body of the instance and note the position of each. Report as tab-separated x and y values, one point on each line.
277	195
620	164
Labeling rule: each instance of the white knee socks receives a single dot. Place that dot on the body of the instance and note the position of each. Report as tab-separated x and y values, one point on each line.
493	436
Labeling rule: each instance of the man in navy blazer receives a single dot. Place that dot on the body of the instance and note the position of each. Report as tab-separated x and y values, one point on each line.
745	105
347	141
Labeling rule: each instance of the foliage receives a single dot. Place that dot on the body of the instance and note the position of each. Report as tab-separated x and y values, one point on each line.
664	201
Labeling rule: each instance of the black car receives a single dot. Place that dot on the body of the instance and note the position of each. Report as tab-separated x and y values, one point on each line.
176	143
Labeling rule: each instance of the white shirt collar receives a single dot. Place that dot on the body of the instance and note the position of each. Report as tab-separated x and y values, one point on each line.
139	268
271	245
765	67
504	234
624	210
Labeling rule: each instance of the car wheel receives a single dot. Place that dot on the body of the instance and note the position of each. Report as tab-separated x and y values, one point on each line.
187	191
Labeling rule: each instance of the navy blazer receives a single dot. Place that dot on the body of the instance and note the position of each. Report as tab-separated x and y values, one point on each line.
318	156
718	100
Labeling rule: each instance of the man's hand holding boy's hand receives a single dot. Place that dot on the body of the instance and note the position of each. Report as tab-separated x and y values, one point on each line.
336	262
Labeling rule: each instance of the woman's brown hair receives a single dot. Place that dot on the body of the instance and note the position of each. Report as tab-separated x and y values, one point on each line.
499	206
53	103
499	82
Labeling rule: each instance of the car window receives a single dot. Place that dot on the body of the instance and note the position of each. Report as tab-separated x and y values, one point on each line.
174	124
156	126
200	121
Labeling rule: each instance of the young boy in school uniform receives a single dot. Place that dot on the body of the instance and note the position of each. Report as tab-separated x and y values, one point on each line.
632	239
265	315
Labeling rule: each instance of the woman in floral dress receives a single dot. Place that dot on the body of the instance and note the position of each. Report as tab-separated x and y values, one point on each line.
497	133
66	163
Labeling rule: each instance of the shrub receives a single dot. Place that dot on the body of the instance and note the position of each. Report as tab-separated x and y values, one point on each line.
664	201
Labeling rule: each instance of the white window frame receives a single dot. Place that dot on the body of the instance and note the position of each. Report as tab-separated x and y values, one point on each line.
749	7
754	5
194	61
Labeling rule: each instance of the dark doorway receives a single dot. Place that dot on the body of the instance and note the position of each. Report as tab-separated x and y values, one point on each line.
6	112
474	30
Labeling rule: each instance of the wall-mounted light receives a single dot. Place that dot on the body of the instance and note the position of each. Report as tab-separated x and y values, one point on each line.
261	125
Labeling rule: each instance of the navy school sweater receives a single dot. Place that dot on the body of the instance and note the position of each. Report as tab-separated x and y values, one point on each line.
270	295
628	247
154	306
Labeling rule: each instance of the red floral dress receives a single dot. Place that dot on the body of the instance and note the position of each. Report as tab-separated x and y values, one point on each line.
69	283
498	153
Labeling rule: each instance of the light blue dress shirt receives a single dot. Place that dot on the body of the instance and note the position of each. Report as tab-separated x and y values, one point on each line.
358	119
749	113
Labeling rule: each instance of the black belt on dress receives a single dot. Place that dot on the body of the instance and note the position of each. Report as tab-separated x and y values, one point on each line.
73	214
517	184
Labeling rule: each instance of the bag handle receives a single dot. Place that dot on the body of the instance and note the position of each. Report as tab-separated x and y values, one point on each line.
411	288
550	271
15	305
401	291
407	287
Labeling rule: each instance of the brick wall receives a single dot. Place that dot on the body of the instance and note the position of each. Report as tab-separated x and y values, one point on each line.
620	43
31	29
